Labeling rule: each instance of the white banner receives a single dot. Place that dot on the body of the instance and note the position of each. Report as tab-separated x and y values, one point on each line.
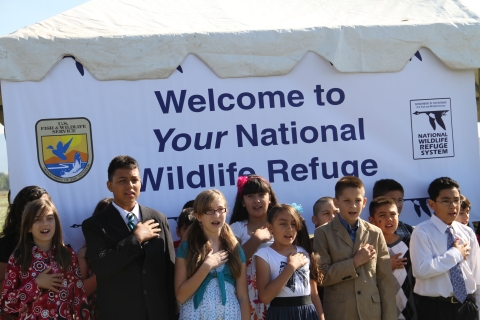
193	131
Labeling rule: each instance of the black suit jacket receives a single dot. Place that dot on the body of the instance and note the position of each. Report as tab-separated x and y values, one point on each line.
133	281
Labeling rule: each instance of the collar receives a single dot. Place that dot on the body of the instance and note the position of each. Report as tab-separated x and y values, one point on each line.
123	212
346	225
442	226
48	253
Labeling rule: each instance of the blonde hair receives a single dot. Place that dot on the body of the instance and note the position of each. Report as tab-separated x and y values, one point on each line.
198	246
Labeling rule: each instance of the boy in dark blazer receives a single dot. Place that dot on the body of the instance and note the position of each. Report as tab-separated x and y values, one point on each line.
355	262
131	252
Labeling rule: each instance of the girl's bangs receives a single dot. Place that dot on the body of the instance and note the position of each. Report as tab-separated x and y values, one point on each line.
256	185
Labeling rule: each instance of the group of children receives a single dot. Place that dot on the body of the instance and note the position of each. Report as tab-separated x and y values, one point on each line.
260	265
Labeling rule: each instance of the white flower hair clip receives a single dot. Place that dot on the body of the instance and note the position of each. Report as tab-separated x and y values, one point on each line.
297	207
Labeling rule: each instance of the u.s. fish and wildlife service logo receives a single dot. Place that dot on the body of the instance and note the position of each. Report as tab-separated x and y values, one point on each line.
64	148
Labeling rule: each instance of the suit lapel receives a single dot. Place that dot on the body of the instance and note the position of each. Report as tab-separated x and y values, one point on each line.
146	214
362	234
115	220
341	231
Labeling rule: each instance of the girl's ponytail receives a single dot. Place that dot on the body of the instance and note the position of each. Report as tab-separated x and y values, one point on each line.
198	247
303	240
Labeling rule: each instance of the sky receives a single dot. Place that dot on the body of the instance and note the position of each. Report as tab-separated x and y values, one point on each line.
16	14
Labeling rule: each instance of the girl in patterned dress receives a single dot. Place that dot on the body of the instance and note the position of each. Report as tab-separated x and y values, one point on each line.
43	279
210	275
249	224
287	271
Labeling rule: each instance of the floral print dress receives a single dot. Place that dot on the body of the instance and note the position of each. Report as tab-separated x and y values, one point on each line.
258	309
22	296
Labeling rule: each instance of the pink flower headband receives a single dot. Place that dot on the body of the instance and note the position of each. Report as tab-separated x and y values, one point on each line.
241	183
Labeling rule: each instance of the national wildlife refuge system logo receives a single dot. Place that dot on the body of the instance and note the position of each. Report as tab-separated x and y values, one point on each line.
64	148
432	130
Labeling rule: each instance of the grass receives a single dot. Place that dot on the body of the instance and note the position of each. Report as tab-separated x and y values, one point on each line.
3	207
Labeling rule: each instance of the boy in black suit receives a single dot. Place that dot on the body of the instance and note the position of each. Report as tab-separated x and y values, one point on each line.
131	252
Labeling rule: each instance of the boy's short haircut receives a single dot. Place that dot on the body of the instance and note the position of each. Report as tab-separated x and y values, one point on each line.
440	184
384	186
378	202
348	182
319	203
185	218
121	162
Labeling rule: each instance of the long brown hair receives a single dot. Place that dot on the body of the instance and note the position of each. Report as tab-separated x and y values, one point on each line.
23	252
198	246
302	239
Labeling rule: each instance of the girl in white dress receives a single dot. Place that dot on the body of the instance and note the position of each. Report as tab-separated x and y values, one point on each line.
210	272
287	271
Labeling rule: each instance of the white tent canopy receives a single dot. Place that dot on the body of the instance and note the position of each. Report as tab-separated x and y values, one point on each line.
148	39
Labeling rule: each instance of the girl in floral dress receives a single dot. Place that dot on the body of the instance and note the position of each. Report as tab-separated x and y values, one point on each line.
249	224
43	279
210	275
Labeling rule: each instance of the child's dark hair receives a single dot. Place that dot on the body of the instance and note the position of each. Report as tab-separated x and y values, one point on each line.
23	252
102	205
440	184
246	185
348	182
121	162
378	202
465	202
188	204
198	244
384	186
302	239
13	220
185	218
318	204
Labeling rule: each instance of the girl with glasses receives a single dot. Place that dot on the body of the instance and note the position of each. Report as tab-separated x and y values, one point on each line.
210	272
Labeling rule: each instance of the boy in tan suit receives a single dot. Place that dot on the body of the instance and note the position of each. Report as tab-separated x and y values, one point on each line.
354	259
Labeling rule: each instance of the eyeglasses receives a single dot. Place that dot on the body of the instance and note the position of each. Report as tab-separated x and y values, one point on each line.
448	203
213	211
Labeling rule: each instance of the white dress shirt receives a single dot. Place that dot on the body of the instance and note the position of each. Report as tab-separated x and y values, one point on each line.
431	261
123	213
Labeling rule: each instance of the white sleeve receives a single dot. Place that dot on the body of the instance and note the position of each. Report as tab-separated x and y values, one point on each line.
475	265
263	253
424	262
238	230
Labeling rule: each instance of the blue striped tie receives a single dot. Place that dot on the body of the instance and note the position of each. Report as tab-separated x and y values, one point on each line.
456	275
131	221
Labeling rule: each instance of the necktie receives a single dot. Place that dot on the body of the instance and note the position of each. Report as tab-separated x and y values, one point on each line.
131	221
456	276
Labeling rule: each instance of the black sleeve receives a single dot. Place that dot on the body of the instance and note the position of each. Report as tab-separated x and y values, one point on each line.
7	245
170	259
105	253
